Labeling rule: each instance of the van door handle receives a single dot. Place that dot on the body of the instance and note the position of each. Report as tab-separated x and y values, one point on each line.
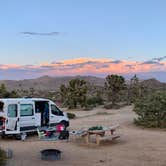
52	116
33	118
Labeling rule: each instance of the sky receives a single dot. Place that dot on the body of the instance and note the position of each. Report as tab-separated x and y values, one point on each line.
85	37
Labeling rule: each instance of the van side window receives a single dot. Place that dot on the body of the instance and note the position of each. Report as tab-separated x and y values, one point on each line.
55	110
26	110
12	110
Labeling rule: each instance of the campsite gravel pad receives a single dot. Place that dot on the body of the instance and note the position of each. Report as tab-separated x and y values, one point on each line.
51	154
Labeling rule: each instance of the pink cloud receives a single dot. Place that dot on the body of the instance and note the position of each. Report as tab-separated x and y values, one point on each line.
85	66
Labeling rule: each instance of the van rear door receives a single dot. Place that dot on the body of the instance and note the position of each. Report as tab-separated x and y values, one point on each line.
27	116
12	125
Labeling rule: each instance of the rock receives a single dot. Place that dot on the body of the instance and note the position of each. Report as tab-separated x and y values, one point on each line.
9	153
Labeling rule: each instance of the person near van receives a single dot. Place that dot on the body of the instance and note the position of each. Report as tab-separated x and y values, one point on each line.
46	114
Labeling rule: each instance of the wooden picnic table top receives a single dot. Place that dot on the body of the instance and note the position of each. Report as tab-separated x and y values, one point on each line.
95	131
111	128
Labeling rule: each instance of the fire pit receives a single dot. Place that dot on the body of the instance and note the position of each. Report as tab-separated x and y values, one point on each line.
50	154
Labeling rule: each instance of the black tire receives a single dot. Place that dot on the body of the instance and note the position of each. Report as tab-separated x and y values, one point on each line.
64	135
64	123
3	136
17	136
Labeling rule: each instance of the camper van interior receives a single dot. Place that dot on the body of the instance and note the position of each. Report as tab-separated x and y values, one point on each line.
42	107
1	106
1	118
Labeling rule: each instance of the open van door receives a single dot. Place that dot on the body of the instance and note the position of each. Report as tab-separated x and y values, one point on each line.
12	125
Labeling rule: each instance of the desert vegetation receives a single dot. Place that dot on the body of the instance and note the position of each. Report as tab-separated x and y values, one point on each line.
151	110
114	93
148	98
74	94
4	93
144	105
114	84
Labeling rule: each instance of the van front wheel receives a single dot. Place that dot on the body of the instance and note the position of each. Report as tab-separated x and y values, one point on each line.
65	124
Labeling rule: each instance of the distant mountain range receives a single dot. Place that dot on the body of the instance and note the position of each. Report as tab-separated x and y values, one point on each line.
23	74
158	75
47	83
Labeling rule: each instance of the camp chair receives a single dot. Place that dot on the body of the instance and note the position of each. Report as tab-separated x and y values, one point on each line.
53	135
43	136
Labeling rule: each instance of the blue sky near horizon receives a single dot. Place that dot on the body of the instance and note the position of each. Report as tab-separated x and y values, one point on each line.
116	29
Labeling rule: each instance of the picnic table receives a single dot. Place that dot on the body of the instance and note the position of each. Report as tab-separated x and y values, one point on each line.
100	135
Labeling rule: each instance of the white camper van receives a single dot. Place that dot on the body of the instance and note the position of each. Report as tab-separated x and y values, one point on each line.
22	115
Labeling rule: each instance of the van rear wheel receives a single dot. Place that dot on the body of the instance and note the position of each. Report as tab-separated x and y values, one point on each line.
17	136
21	136
3	135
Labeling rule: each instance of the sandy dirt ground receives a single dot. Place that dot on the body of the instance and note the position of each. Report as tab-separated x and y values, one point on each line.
136	146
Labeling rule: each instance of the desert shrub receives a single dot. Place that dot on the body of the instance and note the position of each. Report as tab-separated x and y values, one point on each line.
88	108
2	157
151	110
102	113
93	101
71	115
111	106
95	128
99	100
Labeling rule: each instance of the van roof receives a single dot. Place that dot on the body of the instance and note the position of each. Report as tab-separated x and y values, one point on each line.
23	99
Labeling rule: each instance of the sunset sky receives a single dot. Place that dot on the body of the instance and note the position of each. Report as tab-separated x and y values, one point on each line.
82	37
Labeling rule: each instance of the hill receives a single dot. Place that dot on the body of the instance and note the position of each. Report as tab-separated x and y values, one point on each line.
47	83
153	84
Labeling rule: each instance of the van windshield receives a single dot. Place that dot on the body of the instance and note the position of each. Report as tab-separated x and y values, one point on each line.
1	106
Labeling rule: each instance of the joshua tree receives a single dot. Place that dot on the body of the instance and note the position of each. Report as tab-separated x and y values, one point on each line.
4	93
135	89
75	93
63	93
114	84
32	91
